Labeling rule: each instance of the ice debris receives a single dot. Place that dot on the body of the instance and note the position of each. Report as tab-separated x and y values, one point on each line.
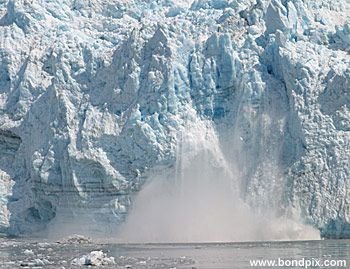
94	258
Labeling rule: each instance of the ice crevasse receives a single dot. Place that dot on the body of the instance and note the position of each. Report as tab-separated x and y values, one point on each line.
93	93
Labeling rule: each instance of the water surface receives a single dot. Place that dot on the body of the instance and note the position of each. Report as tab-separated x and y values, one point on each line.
26	253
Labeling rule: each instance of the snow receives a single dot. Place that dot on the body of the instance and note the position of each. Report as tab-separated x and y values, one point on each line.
92	95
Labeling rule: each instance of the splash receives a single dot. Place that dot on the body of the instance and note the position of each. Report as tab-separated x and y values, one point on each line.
200	200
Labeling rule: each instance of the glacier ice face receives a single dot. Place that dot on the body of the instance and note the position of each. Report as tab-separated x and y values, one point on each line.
92	95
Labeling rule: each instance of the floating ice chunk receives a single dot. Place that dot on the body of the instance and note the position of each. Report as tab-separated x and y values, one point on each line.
94	258
76	239
28	252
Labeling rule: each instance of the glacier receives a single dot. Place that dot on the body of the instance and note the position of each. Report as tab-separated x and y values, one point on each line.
93	94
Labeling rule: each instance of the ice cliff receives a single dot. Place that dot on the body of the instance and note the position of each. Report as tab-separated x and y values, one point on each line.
92	94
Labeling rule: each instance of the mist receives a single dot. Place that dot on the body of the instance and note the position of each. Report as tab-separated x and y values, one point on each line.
199	201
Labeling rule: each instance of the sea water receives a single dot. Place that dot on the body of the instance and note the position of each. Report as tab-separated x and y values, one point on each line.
24	253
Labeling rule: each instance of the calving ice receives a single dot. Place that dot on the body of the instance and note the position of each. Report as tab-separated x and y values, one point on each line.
200	200
226	113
